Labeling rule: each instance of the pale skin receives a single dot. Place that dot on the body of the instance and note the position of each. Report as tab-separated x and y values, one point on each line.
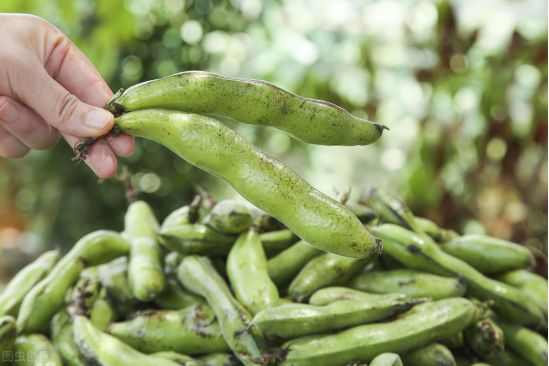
49	89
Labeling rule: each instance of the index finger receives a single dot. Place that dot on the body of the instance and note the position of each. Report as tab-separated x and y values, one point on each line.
72	69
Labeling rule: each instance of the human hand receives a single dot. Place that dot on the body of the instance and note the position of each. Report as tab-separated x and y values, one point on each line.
49	88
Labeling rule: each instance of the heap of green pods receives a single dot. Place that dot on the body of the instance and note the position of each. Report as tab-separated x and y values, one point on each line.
43	300
250	101
261	179
420	252
24	281
425	323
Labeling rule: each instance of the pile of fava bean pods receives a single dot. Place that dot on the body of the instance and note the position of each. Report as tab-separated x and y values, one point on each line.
225	284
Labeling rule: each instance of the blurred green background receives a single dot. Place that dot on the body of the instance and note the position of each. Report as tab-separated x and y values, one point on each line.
462	86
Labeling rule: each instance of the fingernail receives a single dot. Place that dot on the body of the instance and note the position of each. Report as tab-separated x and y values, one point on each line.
98	118
8	112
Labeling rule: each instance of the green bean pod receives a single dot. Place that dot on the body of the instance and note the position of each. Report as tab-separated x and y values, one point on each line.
114	279
261	179
45	298
275	242
198	275
527	343
220	359
171	262
391	210
8	333
508	358
325	270
434	354
229	217
24	281
35	350
175	297
329	295
531	284
434	231
99	348
423	324
484	338
196	239
179	358
145	267
85	294
489	255
420	252
102	314
387	359
297	320
364	213
463	359
286	265
410	282
453	342
184	215
66	347
389	263
191	331
248	276
250	101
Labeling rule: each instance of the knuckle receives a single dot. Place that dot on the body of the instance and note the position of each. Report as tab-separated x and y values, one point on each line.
66	108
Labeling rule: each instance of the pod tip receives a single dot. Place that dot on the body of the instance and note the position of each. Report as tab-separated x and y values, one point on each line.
379	245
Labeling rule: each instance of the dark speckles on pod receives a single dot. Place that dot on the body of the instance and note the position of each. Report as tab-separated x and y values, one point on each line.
269	184
250	101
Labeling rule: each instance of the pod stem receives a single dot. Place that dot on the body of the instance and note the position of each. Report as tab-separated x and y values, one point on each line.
81	148
126	178
112	106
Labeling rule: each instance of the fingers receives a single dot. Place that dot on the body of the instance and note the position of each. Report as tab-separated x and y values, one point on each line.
60	108
72	69
10	146
123	145
26	125
102	159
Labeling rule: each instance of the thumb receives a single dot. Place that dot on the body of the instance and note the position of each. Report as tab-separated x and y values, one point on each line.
63	110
